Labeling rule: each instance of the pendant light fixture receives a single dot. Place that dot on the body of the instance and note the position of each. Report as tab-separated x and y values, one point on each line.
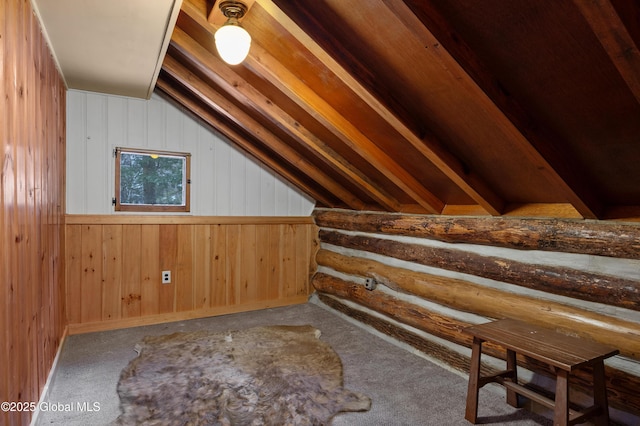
232	41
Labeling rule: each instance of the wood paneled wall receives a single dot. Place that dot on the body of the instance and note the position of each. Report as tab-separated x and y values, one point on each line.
436	275
32	146
218	265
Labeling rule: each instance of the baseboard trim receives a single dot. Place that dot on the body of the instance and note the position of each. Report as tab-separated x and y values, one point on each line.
182	316
52	372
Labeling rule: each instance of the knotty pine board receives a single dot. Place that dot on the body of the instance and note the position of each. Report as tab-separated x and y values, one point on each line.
114	268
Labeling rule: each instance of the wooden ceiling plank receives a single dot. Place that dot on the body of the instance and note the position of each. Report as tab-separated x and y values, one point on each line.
276	114
616	40
227	109
233	135
429	147
542	150
263	64
448	62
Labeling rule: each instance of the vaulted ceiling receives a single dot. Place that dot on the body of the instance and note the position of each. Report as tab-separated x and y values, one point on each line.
489	107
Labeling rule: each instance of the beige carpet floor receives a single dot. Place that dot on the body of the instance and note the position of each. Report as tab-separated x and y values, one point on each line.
406	389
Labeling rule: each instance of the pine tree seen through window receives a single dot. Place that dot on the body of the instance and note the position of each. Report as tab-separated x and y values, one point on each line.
152	180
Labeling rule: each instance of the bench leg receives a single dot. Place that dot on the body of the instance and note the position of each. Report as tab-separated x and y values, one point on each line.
561	412
512	396
600	394
471	413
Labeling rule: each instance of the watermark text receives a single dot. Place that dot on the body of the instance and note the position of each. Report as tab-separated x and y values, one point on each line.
80	406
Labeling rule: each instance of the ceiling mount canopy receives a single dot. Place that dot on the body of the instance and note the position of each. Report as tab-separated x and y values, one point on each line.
233	41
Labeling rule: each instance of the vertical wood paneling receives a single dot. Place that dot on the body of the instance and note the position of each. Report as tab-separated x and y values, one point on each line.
184	269
248	261
274	278
288	261
115	134
252	202
282	199
96	153
302	259
41	350
20	106
233	249
177	125
21	286
219	266
263	262
237	195
225	180
33	288
115	268
150	270
73	254
112	263
32	135
155	114
136	126
267	192
132	279
206	176
168	252
116	119
91	280
76	154
202	277
222	189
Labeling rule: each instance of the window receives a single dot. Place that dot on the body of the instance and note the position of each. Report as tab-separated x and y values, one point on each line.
152	181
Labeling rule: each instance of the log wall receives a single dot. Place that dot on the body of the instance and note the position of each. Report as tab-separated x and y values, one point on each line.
218	265
32	146
437	275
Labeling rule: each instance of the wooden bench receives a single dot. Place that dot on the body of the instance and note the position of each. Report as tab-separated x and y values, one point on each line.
564	353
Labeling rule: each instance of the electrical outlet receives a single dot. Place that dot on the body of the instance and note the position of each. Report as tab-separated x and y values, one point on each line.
370	284
166	277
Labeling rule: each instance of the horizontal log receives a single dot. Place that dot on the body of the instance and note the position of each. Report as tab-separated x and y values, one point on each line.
448	356
442	353
438	325
613	239
493	303
413	315
562	281
621	386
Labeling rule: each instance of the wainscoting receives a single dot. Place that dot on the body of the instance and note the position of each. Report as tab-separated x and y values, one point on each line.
218	265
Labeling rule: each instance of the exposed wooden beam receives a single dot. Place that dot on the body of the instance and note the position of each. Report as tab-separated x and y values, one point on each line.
542	150
281	118
230	132
235	115
273	71
616	40
202	59
428	146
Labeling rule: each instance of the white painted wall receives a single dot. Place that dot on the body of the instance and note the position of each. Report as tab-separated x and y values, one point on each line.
225	181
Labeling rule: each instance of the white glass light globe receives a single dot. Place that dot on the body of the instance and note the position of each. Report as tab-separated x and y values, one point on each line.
232	42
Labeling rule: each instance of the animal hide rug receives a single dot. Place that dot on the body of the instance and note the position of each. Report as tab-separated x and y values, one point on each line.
278	375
